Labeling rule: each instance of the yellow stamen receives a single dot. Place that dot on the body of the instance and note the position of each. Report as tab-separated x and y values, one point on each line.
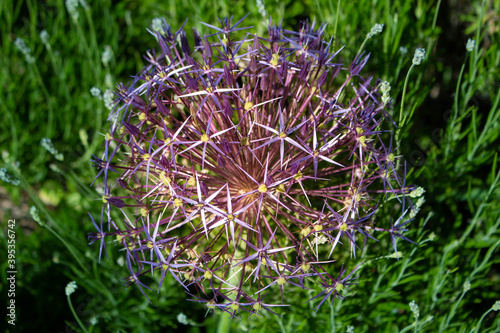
204	138
274	60
281	188
306	231
178	202
248	106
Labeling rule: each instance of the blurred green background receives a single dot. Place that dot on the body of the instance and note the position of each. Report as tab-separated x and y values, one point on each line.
450	139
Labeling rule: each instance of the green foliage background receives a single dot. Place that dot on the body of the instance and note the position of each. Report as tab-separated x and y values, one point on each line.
450	138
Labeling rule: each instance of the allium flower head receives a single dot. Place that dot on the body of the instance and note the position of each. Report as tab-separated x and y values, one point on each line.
239	166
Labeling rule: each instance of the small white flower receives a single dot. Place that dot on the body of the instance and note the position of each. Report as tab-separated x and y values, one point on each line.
34	214
496	306
466	286
419	56
44	36
376	29
417	192
108	99
70	288
72	7
182	318
21	46
262	8
96	92
107	55
471	43
157	25
8	178
414	309
49	146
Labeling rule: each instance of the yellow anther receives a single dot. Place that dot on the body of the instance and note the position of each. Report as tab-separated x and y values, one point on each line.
165	179
343	227
178	202
298	176
208	275
305	267
316	153
306	231
164	267
274	60
211	305
210	90
257	306
359	130
119	238
105	199
234	306
248	106
230	217
144	212
149	245
362	140
262	188
108	137
146	156
167	141
281	281
391	158
282	135
318	227
245	141
339	286
281	188
191	181
204	138
142	116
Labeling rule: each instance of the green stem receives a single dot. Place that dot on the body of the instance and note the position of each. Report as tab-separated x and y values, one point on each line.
478	326
455	114
224	323
336	21
75	315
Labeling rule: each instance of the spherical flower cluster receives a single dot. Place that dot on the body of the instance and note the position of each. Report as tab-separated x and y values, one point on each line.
239	166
